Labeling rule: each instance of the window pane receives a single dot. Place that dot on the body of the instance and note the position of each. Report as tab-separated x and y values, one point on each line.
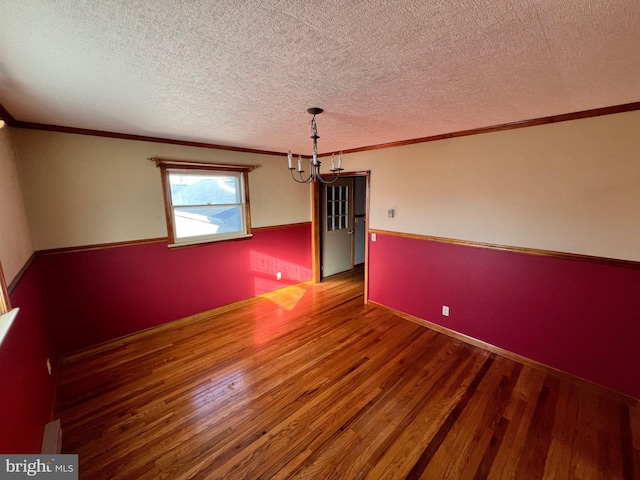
189	189
196	221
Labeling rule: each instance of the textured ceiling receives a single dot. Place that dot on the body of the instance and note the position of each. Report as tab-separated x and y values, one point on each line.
243	73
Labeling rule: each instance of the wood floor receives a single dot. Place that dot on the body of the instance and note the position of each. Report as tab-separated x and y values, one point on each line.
309	383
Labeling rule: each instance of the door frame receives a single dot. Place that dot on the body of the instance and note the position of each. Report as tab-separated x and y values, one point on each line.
316	226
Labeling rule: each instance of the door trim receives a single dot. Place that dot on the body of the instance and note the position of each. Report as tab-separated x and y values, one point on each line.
316	225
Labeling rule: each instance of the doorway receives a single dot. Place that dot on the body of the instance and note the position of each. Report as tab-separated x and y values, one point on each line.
340	218
337	227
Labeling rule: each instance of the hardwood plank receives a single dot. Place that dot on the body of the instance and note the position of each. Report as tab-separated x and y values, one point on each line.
538	439
309	382
485	465
556	465
464	449
441	397
419	468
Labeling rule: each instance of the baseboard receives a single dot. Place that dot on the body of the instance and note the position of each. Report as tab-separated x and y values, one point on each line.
615	395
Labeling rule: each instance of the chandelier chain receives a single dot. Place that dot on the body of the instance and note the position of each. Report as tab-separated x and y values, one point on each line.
314	163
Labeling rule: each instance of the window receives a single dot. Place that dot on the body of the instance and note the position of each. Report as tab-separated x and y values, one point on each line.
205	202
337	207
206	205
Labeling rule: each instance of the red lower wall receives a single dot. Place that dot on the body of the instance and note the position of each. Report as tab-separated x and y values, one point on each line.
26	388
97	295
579	317
73	300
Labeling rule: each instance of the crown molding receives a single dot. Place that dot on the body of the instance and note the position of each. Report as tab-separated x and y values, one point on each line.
12	122
596	112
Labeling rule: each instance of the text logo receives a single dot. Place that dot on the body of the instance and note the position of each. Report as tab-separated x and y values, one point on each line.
52	467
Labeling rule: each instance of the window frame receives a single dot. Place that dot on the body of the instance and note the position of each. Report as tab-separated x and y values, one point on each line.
5	301
207	169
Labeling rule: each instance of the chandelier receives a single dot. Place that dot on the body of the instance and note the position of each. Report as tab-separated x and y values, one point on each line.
314	163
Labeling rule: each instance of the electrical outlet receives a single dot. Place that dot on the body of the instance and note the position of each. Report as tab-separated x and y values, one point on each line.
373	237
445	310
391	213
49	366
278	275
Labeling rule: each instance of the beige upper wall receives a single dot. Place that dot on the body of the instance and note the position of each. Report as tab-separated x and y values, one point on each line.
85	190
15	238
570	187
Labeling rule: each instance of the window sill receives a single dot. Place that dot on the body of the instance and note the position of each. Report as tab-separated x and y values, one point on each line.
208	241
6	319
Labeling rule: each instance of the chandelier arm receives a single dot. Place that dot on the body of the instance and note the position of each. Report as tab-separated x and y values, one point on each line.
335	174
302	180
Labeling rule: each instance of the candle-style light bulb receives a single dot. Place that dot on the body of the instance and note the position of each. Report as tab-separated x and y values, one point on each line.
289	157
300	163
340	160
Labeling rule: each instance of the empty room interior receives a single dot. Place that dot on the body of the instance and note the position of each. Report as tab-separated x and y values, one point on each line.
281	239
